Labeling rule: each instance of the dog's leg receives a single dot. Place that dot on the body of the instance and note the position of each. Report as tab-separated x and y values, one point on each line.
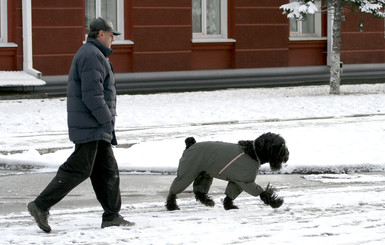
171	203
228	203
204	199
201	187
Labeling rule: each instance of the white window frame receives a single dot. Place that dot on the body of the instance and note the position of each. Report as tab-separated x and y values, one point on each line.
203	37
119	18
4	22
317	35
4	25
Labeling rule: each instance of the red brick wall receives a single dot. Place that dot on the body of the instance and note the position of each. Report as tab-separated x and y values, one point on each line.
162	36
57	32
362	47
261	32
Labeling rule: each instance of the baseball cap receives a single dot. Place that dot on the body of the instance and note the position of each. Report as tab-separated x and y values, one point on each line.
103	24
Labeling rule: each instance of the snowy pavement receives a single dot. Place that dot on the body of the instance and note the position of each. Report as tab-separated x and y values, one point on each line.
325	134
318	209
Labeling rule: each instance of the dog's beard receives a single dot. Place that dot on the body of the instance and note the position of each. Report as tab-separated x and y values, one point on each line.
275	166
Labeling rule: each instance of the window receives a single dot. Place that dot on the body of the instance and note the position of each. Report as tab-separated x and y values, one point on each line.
3	21
305	27
1	28
109	9
309	27
209	19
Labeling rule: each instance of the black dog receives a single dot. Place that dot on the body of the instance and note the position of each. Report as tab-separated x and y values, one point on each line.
236	163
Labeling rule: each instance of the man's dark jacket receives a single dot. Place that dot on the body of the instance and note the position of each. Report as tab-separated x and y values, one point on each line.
91	95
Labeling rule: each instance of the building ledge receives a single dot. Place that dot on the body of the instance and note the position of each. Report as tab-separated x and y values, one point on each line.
202	80
8	45
19	79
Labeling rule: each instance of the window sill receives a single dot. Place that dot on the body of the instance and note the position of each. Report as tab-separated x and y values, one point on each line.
213	40
8	45
304	38
119	42
122	42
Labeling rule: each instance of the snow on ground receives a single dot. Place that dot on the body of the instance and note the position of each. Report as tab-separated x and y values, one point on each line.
18	78
345	212
330	134
324	133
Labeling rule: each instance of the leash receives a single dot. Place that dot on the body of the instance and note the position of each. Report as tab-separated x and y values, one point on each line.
223	169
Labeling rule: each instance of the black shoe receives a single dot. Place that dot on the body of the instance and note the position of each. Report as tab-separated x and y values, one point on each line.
204	199
171	203
228	203
40	216
116	221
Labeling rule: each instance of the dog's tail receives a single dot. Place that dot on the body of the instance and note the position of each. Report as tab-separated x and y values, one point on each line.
189	142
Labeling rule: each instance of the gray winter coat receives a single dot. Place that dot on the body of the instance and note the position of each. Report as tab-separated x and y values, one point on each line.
226	161
91	95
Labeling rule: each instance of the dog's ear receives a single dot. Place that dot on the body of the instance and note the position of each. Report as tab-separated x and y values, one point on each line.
279	153
284	153
263	146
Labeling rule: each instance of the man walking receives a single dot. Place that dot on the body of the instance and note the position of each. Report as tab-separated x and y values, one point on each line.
91	111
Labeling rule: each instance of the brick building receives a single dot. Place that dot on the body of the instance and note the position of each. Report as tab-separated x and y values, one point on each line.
41	36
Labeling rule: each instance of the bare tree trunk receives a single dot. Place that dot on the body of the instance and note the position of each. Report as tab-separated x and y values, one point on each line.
335	69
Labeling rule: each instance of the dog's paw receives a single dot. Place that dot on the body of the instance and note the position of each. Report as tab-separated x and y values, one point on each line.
204	199
171	203
276	203
269	197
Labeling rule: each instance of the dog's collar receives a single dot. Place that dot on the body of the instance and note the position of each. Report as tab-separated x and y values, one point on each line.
255	151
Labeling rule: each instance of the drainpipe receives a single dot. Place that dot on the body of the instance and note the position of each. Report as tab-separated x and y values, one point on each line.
27	39
330	33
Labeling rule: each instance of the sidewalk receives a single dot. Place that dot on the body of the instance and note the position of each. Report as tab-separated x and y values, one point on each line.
318	209
324	133
338	134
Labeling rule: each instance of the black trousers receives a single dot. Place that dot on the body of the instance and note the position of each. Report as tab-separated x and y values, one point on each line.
95	160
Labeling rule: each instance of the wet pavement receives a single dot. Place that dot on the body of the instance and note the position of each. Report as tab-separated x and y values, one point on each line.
18	189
